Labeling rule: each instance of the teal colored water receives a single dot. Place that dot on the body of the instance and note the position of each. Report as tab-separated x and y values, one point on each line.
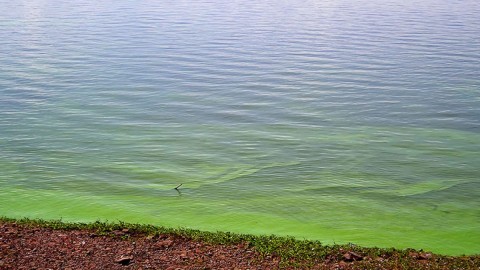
342	121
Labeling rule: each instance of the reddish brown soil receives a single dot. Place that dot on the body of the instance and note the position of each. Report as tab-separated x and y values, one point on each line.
43	248
27	247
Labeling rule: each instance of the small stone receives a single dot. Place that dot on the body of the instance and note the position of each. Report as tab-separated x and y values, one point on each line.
413	254
165	243
164	258
424	256
352	256
118	233
124	260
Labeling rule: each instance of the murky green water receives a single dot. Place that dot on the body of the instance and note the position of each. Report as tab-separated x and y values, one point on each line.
343	121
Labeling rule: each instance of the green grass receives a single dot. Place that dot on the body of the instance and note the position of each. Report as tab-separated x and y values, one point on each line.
293	252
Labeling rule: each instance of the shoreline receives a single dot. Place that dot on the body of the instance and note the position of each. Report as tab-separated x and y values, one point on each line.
100	245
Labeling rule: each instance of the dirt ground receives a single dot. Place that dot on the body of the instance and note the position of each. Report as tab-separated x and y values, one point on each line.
33	247
43	248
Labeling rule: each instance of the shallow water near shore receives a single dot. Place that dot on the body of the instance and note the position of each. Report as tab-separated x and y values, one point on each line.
342	121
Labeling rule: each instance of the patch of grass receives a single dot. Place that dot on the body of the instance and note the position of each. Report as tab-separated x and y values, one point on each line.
292	252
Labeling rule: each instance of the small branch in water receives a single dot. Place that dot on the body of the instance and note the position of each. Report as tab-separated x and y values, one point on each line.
178	186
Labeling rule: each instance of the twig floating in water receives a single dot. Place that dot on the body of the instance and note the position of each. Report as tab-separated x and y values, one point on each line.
178	186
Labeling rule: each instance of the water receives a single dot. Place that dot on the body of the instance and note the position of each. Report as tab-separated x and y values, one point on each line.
342	121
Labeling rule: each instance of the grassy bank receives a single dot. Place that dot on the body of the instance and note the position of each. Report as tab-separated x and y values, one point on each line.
291	252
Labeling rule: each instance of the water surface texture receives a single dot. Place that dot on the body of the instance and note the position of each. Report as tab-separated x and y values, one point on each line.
337	120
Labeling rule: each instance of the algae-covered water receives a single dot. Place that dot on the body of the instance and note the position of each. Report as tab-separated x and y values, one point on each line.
338	120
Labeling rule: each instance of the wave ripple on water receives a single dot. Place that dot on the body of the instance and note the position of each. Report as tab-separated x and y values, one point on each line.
344	121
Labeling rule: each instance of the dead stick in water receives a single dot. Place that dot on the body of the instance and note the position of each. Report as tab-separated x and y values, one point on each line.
178	186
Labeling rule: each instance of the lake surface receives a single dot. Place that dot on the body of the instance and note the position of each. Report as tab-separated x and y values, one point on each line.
337	120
